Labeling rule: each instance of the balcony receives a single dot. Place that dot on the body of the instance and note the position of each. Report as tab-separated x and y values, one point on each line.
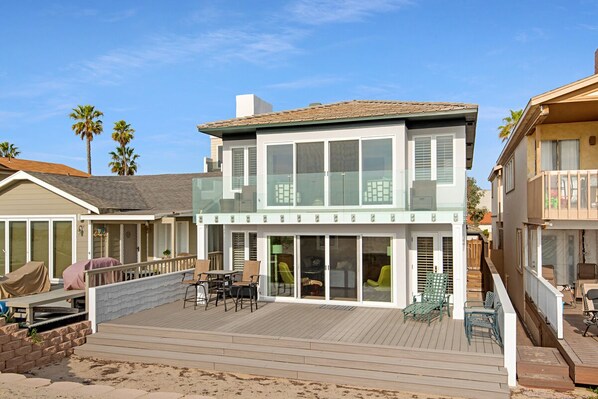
563	195
346	195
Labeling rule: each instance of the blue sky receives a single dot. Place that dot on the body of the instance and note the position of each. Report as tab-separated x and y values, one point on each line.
167	66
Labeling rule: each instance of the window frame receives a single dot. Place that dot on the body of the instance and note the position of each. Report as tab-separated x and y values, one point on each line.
509	175
434	158
246	167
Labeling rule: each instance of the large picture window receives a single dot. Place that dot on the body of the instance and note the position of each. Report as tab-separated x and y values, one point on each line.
376	164
280	175
63	246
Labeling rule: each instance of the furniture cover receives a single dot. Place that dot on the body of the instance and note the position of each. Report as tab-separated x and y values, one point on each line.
74	275
31	278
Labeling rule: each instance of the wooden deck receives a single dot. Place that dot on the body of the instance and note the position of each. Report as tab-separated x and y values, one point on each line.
326	323
338	344
580	352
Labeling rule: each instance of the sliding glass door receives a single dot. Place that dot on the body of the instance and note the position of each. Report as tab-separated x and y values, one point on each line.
312	265
17	244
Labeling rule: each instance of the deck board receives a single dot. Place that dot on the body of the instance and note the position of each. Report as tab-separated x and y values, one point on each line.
305	321
582	351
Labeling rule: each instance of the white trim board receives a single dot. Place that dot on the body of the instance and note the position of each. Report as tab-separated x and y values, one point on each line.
118	217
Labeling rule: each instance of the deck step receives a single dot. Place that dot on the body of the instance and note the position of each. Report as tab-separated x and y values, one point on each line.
472	388
354	348
441	366
539	367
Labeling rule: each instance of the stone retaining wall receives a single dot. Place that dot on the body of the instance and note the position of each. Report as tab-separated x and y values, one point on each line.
19	353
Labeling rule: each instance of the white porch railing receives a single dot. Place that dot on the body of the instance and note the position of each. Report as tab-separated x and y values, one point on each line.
547	298
507	322
132	271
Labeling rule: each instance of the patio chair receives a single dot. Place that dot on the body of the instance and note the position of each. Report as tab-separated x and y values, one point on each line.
586	273
484	318
472	306
249	281
433	298
383	283
286	277
199	279
590	306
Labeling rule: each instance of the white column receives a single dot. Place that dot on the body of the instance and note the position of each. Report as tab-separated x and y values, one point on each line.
121	243
539	250
401	263
202	241
459	271
138	242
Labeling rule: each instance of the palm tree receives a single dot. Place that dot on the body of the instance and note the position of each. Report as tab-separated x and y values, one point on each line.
8	150
88	125
505	130
123	161
123	134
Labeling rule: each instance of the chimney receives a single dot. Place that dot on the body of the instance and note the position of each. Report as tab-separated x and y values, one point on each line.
596	62
250	104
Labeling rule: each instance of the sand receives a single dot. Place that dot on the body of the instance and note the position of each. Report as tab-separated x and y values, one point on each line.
153	378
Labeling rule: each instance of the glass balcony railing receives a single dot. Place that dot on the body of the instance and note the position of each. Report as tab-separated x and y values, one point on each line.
334	191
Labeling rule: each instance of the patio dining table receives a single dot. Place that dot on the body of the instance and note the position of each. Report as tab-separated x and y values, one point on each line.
220	282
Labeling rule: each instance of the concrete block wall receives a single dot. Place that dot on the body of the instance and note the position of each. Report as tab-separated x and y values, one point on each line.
112	301
19	353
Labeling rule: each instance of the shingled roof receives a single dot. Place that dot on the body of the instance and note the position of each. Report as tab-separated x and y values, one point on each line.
16	164
346	110
149	194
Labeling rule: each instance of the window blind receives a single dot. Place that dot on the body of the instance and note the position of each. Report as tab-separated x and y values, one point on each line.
238	168
447	261
444	159
425	260
423	158
238	251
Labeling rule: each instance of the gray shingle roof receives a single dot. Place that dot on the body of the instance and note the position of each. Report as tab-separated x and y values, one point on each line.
154	194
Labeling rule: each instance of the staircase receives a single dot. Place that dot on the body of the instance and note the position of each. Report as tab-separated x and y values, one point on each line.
539	367
437	372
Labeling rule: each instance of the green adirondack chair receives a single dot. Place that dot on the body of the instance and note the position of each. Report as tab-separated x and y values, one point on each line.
433	298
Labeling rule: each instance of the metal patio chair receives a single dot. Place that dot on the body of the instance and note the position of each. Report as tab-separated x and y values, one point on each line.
433	298
590	306
199	279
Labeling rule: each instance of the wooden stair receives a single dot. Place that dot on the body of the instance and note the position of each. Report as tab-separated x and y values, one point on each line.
539	367
439	372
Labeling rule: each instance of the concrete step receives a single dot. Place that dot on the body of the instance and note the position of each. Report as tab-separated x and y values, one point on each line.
317	372
358	349
442	366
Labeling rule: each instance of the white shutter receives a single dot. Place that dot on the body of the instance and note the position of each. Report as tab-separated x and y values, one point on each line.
444	159
423	158
238	251
425	260
447	261
238	168
252	246
252	158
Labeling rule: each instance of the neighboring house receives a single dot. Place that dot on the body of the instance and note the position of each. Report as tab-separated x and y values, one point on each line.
484	225
8	166
61	219
545	203
344	203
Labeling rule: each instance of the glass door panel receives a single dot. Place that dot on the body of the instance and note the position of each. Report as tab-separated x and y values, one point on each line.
63	247
377	269
343	268
280	175
376	159
281	273
312	258
310	174
17	242
344	172
40	244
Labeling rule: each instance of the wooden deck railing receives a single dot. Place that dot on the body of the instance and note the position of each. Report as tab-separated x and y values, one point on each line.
114	274
563	194
547	298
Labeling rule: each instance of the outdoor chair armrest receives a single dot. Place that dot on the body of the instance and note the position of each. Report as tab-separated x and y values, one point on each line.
420	295
257	279
473	304
185	275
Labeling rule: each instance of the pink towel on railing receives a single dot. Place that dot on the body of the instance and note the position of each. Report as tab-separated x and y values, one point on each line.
74	275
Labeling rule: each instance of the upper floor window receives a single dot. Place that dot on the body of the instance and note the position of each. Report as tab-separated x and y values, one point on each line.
244	167
434	159
510	175
559	155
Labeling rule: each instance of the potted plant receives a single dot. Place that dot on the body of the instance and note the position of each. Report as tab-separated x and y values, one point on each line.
166	253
